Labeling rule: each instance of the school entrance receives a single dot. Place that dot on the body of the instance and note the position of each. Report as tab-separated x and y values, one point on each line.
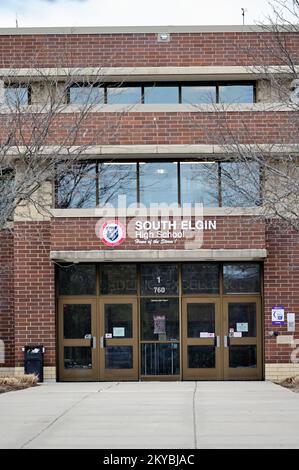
160	321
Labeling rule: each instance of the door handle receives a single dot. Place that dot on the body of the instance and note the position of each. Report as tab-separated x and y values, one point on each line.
102	342
226	341
94	342
217	341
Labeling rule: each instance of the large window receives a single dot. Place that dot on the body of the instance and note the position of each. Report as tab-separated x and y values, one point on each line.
214	184
17	95
163	93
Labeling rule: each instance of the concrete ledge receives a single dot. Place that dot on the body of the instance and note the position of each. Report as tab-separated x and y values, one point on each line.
158	255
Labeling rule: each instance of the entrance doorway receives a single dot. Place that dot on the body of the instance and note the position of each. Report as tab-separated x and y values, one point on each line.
166	321
222	338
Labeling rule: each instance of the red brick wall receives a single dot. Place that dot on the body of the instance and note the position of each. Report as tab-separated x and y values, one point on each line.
281	286
161	128
133	50
231	233
7	296
34	290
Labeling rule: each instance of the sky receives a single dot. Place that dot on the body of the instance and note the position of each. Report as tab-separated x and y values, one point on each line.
130	12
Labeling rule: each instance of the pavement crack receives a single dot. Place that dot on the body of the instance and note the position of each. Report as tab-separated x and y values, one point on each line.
54	421
194	416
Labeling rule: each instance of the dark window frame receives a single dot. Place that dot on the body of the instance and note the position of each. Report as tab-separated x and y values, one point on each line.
165	160
179	84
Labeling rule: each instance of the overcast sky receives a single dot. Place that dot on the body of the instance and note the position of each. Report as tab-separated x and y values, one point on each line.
129	12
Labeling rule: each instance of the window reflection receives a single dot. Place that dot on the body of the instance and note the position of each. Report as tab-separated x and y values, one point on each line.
76	186
158	183
236	94
199	183
117	179
161	94
123	95
241	278
240	184
84	95
16	95
198	94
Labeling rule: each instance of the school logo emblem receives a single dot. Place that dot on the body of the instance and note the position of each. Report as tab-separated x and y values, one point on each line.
112	233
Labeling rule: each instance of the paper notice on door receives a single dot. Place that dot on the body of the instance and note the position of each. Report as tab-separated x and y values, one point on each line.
108	335
237	334
203	334
118	331
242	327
159	325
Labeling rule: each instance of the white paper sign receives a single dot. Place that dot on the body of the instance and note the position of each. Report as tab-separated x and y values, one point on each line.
291	322
108	335
118	331
242	327
203	334
238	334
278	315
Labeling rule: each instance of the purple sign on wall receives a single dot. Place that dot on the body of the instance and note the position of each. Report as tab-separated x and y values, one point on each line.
278	315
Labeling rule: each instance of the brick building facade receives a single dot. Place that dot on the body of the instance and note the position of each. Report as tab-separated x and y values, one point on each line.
35	247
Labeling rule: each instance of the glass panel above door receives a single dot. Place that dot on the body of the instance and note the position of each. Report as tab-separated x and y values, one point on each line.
118	279
159	279
242	278
200	278
78	279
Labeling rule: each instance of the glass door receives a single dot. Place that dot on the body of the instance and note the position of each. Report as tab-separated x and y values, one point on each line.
118	339
242	337
77	338
201	337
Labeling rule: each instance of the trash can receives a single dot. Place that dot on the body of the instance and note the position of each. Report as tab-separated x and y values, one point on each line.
34	361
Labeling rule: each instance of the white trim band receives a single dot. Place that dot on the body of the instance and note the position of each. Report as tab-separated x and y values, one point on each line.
158	255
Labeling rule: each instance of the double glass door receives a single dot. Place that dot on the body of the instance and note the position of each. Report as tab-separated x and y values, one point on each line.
98	340
222	338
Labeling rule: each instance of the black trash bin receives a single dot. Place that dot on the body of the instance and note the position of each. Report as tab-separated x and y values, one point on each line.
34	361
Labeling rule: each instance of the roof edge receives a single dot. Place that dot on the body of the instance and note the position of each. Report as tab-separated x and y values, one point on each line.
141	29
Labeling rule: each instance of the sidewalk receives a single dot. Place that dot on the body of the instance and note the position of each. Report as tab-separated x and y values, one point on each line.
150	415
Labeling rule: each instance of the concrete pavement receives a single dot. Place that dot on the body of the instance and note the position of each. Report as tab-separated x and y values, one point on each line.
150	415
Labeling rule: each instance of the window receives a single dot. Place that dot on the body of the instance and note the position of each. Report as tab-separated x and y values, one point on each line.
158	183
159	279
124	95
236	94
163	93
76	186
240	184
78	279
242	278
200	278
117	179
160	94
199	183
198	94
86	94
214	184
118	279
17	95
